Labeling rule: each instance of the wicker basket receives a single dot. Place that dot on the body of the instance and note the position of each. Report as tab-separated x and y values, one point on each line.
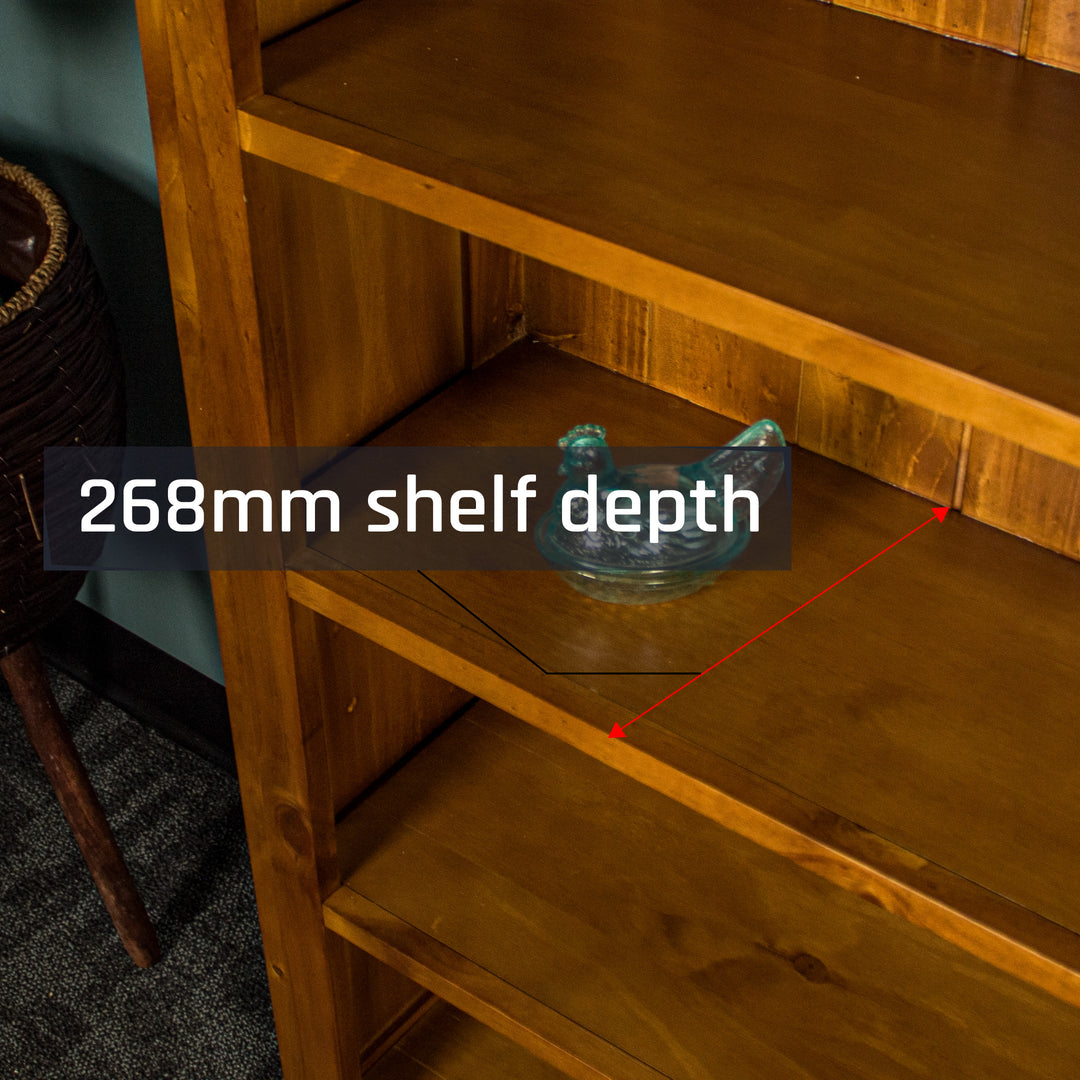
60	385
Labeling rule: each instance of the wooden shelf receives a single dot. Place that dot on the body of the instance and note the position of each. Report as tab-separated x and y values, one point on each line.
655	945
448	1045
359	212
937	720
872	197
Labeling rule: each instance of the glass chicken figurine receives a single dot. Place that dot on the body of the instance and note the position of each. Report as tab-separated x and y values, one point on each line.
651	533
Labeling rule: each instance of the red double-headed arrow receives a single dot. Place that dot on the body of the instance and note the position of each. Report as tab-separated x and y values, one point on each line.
618	731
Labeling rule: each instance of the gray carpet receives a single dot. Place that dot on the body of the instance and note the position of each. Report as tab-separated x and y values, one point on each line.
72	1005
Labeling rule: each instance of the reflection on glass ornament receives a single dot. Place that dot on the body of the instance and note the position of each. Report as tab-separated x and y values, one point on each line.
650	533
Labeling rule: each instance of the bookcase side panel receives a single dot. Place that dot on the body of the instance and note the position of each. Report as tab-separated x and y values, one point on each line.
361	304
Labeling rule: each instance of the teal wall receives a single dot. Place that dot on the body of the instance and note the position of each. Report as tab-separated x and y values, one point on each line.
73	111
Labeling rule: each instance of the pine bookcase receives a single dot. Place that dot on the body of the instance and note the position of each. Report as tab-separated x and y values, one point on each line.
850	852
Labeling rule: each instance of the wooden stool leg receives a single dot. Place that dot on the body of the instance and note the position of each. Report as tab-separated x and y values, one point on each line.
48	733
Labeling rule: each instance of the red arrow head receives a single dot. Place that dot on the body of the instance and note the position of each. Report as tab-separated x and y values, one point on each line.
940	512
616	732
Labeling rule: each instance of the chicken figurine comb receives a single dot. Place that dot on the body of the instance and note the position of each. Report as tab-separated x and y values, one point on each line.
649	533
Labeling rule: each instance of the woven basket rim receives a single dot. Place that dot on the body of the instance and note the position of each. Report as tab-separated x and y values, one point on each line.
57	220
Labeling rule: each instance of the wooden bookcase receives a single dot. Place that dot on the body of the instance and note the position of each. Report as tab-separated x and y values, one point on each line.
851	852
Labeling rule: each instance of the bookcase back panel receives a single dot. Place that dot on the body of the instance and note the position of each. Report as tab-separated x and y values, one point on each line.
1054	33
1044	30
1047	31
361	303
723	371
998	23
277	17
496	298
895	440
372	706
1024	493
919	449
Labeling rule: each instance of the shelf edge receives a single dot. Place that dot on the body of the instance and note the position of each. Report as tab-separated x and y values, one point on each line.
409	177
492	1001
983	923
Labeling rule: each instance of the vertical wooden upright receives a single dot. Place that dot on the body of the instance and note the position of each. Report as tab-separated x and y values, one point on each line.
200	60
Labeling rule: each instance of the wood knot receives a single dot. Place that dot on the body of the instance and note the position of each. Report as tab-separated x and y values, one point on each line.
811	968
294	830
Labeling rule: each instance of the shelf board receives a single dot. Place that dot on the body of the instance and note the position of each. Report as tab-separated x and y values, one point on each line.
891	737
890	203
619	934
448	1045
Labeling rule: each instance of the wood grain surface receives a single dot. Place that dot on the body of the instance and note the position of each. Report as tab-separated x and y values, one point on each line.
701	363
448	1045
375	706
693	951
587	319
882	712
848	192
904	444
912	210
455	194
722	371
1024	493
984	923
908	661
1054	33
280	753
345	347
898	442
496	298
999	23
277	17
